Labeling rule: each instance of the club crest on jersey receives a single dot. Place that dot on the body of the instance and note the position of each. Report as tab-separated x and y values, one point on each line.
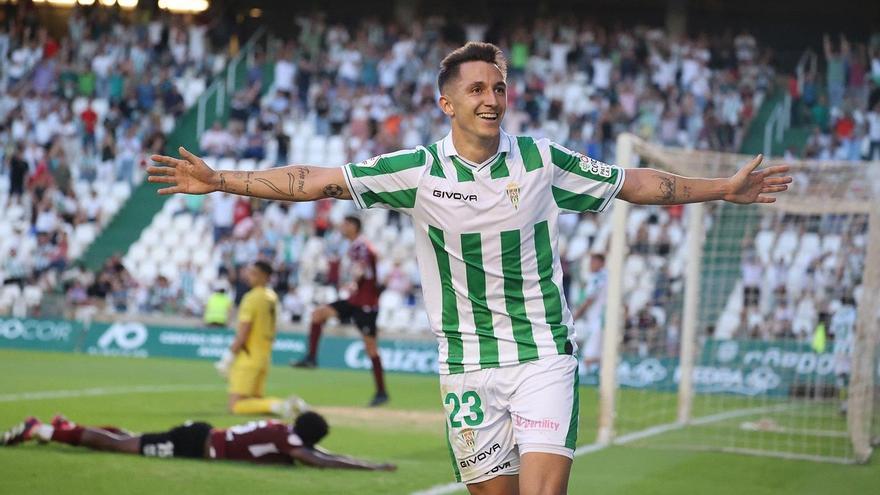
468	439
594	167
513	194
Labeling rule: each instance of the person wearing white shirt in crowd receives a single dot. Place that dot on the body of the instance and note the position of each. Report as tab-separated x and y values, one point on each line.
285	72
222	214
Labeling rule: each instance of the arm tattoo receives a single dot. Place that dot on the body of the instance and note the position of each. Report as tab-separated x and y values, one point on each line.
247	183
333	190
686	194
271	186
224	186
667	188
290	183
301	184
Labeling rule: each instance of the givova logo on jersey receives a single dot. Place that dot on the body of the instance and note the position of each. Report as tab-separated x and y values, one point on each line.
126	339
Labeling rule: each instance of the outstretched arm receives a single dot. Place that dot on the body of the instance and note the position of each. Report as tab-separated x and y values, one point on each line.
191	175
647	186
321	459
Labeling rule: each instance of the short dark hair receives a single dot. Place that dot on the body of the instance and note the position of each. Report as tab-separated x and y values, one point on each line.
354	221
473	51
311	427
599	256
264	267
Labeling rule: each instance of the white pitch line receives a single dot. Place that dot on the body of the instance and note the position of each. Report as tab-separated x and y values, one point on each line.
628	438
92	392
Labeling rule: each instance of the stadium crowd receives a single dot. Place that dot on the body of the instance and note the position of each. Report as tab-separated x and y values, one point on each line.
839	101
78	115
346	93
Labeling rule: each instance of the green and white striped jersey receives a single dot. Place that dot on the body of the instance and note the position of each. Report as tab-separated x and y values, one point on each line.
486	241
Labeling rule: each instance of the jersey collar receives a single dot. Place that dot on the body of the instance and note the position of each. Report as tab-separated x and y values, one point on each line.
447	148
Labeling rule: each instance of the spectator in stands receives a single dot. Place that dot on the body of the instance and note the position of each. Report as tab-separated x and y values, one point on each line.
128	152
222	214
397	280
217	141
751	277
18	170
16	268
292	304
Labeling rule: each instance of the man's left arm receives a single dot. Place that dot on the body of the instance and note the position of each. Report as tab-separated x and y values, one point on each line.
645	186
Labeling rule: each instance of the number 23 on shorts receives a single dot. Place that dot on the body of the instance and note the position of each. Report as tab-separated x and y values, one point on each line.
467	408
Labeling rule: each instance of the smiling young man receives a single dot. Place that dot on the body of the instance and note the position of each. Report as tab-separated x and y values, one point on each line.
485	206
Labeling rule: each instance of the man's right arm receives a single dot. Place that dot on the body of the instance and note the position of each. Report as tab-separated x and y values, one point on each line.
319	459
191	175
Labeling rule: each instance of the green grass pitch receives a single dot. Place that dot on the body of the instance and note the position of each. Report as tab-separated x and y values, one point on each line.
409	433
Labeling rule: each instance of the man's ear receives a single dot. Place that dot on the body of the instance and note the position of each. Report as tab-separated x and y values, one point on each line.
446	106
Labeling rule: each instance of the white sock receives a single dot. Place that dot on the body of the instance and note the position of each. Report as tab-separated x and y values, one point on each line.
44	432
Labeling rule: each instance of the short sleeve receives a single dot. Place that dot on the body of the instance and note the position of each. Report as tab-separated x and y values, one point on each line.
247	309
387	181
293	440
581	183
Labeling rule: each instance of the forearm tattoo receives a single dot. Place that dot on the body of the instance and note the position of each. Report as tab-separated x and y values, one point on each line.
667	189
224	185
333	190
290	183
296	184
301	183
271	186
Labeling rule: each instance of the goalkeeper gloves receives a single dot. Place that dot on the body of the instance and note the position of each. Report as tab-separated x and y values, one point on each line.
222	366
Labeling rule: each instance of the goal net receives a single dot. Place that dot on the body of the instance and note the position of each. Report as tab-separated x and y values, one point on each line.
749	329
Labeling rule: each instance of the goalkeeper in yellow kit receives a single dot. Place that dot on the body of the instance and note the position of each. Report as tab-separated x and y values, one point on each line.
246	363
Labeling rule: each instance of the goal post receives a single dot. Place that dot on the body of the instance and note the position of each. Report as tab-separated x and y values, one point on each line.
750	329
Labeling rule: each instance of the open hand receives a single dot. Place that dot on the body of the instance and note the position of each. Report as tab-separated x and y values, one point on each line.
751	186
191	175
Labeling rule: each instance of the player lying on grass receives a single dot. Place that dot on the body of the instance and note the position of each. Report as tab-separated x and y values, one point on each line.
485	208
267	442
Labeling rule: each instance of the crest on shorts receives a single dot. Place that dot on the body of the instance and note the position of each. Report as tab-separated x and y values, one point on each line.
592	166
468	439
513	194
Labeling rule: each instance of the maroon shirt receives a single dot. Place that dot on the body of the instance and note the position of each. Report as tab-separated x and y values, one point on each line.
363	259
258	441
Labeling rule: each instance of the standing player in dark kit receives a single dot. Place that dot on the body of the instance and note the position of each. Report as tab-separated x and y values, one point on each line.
264	442
361	307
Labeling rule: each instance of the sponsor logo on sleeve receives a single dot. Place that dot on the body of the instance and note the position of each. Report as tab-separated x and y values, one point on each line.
370	162
594	167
